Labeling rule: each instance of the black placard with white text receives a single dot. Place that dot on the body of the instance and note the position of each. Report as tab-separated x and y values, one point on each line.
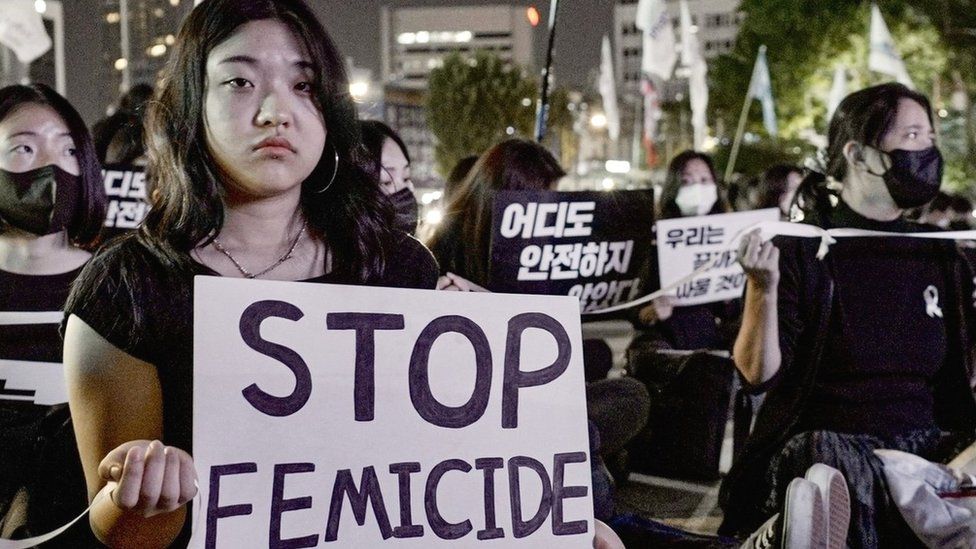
595	246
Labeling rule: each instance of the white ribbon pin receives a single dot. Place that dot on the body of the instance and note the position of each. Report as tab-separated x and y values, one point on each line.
932	302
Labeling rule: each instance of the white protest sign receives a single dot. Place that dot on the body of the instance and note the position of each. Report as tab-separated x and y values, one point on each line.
684	244
349	416
22	30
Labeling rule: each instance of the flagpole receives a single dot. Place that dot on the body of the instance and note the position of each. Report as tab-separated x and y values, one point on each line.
734	155
125	45
542	115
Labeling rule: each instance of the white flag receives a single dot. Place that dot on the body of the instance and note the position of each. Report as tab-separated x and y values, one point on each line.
692	58
884	57
659	45
761	88
837	91
22	30
608	89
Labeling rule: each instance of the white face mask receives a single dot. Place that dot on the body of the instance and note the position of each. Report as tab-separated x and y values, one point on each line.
697	198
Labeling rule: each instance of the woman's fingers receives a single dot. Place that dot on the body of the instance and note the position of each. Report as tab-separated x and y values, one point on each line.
443	282
751	252
126	494
188	478
169	494
152	475
153	478
461	283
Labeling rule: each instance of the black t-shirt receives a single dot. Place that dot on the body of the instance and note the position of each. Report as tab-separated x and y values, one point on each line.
160	330
162	334
886	339
42	484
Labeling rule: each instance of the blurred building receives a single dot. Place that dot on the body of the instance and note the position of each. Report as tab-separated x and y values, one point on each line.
416	39
717	22
136	36
404	110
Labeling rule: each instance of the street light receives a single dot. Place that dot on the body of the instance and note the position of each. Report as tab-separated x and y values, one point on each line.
598	121
359	90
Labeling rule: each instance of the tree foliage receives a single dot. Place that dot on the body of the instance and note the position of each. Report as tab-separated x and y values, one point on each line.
807	40
471	103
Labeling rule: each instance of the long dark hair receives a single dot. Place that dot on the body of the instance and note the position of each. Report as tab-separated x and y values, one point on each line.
672	184
186	205
374	134
461	242
84	229
865	117
773	184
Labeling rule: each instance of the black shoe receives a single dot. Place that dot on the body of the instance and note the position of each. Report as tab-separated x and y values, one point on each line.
801	525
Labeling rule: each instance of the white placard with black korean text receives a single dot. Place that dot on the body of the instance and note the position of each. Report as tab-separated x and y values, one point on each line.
595	246
127	198
345	416
685	244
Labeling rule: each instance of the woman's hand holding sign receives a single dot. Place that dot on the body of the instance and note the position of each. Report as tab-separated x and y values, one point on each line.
760	261
149	478
659	310
454	283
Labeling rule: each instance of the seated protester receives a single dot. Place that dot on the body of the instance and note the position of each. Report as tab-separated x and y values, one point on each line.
252	144
45	151
777	188
867	348
461	244
690	189
389	163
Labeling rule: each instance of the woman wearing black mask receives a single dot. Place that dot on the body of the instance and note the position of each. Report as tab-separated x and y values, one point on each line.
389	163
51	208
867	348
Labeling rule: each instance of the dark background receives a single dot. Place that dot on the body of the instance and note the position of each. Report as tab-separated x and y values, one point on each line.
355	27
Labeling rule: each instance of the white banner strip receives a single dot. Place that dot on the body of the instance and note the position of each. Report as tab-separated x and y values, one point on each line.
37	540
13	318
770	229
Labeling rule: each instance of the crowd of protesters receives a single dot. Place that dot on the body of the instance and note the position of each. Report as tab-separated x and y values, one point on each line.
259	168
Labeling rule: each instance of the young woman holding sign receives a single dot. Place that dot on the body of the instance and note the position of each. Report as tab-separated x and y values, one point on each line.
254	151
868	347
690	189
52	205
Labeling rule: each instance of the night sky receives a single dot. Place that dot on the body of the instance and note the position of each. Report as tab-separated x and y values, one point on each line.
355	27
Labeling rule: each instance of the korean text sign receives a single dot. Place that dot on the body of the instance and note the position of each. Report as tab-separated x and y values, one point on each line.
685	244
594	246
125	188
346	416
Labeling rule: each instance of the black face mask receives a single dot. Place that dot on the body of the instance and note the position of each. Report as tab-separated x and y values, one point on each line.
41	201
914	177
407	210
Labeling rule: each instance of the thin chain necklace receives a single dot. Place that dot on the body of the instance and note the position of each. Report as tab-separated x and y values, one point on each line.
248	274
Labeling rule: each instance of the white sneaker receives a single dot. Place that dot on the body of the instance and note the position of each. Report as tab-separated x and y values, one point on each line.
799	526
836	500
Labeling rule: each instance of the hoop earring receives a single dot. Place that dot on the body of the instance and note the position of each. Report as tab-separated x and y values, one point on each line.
335	171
